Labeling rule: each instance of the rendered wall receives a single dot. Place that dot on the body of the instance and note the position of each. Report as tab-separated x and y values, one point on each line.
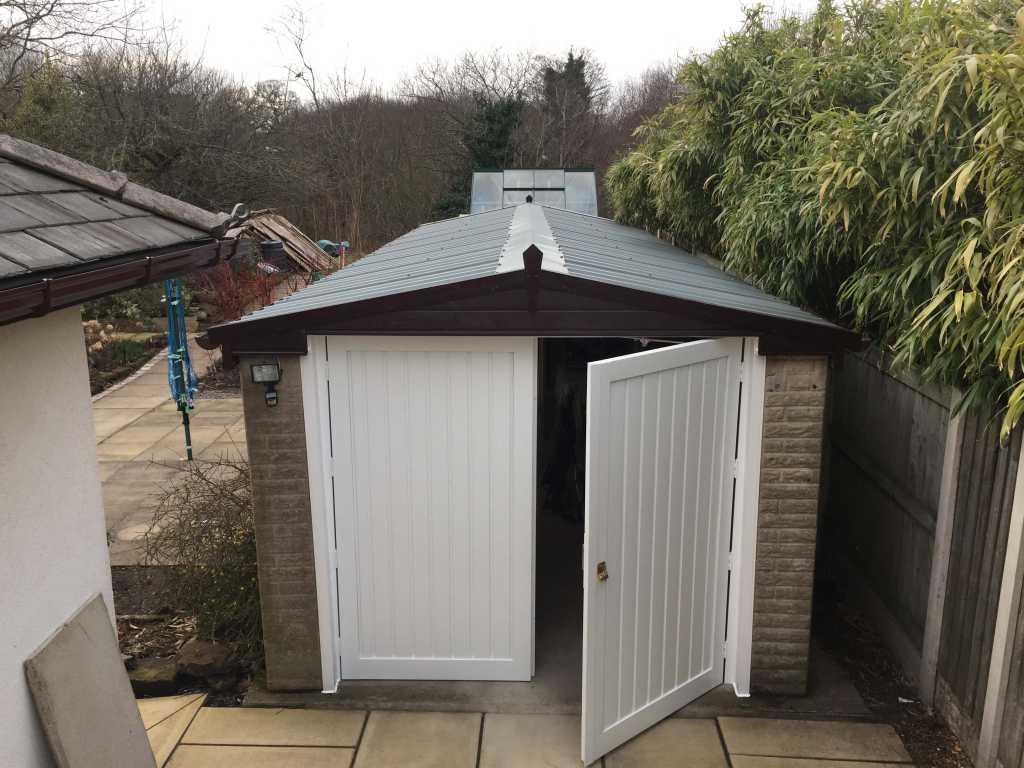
53	546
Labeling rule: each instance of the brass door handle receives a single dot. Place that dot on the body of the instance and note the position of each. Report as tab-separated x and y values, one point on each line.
602	571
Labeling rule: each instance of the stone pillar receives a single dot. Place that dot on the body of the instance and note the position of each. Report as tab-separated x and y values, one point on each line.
787	524
276	439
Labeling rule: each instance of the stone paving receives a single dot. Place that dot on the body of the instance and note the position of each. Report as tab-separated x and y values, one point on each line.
303	738
140	444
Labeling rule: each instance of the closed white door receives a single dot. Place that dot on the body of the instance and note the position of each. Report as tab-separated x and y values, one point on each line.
432	443
661	442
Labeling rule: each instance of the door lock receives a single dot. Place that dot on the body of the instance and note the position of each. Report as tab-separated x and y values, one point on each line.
602	571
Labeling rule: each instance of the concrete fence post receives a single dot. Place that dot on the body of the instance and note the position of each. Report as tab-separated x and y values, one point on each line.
940	552
1003	638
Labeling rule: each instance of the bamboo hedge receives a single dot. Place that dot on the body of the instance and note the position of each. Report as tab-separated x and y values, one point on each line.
866	162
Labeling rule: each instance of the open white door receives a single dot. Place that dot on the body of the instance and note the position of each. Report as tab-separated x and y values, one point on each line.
661	442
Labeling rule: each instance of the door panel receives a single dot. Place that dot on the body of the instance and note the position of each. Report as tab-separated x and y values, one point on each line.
661	439
433	452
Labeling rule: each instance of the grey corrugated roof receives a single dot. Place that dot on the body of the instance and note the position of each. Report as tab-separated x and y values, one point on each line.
56	212
587	247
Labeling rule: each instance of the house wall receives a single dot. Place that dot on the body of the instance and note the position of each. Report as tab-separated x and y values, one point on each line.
791	450
53	547
276	439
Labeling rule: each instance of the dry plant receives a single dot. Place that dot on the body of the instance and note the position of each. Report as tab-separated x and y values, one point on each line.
203	526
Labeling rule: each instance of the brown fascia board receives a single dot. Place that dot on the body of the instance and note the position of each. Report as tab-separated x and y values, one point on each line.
286	333
60	290
111	183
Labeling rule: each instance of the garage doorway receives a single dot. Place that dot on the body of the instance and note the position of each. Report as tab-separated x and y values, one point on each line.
387	536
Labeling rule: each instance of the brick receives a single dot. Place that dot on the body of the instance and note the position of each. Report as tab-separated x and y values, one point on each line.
802	398
791	445
804	460
792	429
792	506
789	491
787	522
284	536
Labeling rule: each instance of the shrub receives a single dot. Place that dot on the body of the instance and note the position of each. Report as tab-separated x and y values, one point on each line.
866	162
232	289
203	526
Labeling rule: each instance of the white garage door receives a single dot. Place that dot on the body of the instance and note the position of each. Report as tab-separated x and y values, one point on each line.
661	444
433	445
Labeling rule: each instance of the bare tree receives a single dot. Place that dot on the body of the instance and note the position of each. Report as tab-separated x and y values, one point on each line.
36	32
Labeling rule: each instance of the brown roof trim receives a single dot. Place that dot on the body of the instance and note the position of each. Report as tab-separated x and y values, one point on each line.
481	307
44	295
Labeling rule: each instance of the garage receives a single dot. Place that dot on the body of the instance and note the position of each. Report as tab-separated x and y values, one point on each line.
531	439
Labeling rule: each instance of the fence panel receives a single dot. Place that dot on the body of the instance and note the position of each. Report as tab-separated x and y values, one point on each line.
887	436
1011	741
980	524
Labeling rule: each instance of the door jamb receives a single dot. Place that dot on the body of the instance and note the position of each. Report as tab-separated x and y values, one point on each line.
316	409
743	555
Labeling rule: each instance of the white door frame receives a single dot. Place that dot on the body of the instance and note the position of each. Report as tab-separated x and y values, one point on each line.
316	410
744	552
742	560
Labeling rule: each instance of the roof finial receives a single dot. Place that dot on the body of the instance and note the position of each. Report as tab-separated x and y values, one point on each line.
532	258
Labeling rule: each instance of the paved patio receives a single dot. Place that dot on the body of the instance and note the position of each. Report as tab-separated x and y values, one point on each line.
305	738
140	444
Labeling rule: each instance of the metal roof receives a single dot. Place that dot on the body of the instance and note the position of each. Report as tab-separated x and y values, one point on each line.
587	247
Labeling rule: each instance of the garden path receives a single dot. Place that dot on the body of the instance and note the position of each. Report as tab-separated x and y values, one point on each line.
140	445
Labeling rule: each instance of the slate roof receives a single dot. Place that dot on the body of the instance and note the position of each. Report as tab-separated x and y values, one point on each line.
58	213
588	247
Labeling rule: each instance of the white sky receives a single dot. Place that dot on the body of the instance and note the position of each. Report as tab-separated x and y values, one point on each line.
381	40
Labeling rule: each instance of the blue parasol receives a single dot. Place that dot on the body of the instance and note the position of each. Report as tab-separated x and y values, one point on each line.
180	375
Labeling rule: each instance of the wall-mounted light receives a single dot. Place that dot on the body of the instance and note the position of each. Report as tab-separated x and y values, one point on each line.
267	374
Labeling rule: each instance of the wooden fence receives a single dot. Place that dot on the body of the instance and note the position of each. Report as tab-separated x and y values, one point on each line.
921	525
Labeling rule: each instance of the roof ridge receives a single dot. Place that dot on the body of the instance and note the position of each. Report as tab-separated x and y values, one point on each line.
111	183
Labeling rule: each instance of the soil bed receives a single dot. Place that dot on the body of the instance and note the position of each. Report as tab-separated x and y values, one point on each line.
149	626
849	637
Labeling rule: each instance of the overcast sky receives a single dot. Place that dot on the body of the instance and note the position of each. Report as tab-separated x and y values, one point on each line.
381	40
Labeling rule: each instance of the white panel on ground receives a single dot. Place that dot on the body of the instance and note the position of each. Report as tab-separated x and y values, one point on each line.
661	440
433	474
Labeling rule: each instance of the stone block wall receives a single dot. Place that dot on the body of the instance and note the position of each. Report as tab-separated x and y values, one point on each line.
787	525
276	439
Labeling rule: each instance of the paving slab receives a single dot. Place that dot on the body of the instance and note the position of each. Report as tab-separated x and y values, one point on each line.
146	434
83	697
276	727
224	449
420	740
109	467
124	451
673	744
165	735
110	421
813	739
752	761
200	756
160	708
518	741
142	401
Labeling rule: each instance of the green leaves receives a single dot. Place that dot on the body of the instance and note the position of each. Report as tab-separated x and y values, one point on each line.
874	174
